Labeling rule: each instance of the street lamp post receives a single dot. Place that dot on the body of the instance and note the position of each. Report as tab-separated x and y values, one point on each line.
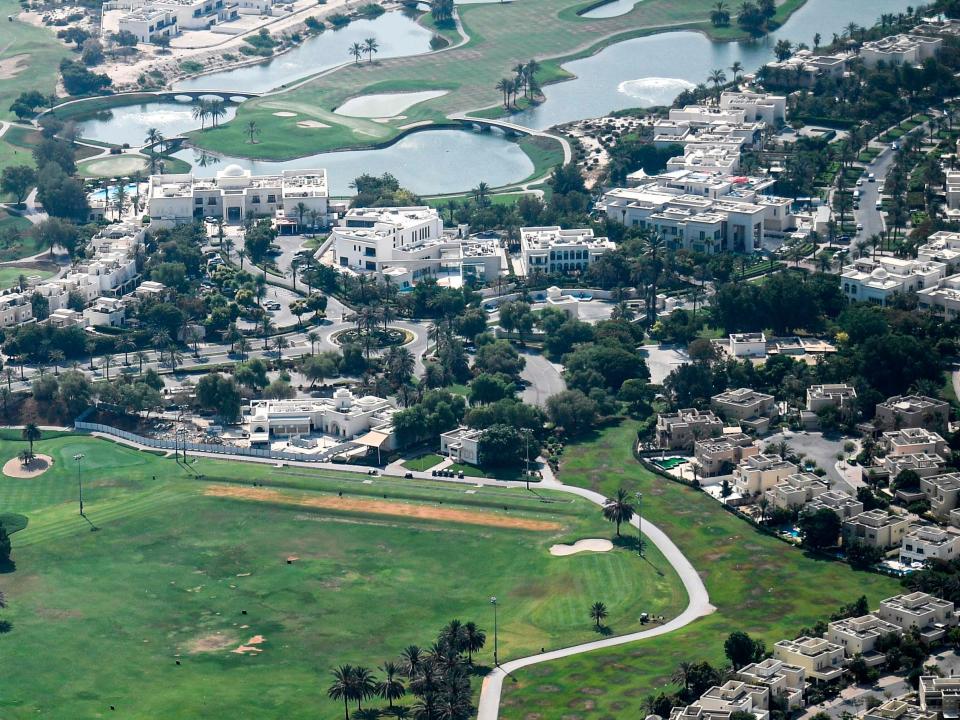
526	438
496	661
639	525
78	457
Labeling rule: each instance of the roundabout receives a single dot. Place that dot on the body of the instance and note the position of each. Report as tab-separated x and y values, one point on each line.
375	338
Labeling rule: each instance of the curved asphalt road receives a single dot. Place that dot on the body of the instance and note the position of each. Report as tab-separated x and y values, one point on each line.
697	607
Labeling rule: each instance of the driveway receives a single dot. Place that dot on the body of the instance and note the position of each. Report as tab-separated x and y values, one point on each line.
663	359
823	451
544	378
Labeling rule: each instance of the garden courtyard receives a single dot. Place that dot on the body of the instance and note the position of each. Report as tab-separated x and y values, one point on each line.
234	588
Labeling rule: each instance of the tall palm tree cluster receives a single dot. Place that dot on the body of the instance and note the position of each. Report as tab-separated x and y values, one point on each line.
524	80
720	15
214	109
368	47
439	677
442	11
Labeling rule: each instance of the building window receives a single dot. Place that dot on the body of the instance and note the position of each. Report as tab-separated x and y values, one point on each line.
255	199
271	198
198	201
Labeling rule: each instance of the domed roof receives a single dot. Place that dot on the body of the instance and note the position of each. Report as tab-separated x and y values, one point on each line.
232	170
879	274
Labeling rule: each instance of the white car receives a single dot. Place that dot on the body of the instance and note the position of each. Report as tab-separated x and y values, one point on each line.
859	227
859	182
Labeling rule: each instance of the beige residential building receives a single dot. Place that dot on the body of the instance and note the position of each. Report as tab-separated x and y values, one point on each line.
795	491
744	403
913	440
821	659
927	542
912	411
714	455
930	615
955	517
943	492
780	678
923	464
721	701
895	709
940	695
759	473
680	430
842	504
875	528
859	636
820	397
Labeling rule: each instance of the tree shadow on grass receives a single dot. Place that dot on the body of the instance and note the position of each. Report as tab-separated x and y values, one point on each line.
630	543
603	630
7	566
5	626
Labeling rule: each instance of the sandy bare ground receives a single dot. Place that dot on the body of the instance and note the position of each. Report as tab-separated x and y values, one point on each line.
382	507
315	124
591	545
38	466
250	647
210	643
14	65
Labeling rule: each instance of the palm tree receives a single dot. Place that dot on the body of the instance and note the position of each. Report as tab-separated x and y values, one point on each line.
107	359
737	70
342	687
201	108
243	345
718	78
505	85
127	345
356	50
31	433
56	357
25	457
9	373
280	343
119	198
391	687
681	676
481	193
474	639
313	337
217	110
370	46
242	255
364	684
175	355
619	510
268	327
252	131
598	612
411	660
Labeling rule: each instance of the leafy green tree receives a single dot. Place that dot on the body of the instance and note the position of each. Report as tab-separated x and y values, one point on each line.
16	180
503	446
820	529
741	649
571	410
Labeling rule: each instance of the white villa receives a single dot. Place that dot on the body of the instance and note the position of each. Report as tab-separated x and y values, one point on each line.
235	194
900	50
555	250
876	281
367	419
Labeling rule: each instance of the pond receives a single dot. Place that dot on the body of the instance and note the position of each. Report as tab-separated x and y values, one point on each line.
653	70
129	124
396	34
430	161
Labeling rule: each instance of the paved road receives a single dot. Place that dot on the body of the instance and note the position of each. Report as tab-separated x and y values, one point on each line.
698	606
544	378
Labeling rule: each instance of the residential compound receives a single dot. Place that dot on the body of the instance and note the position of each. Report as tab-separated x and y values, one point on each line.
942	492
153	20
235	195
875	528
931	616
552	250
795	491
808	67
89	294
781	679
913	440
701	211
820	659
720	702
900	50
680	430
912	411
752	409
759	473
877	281
940	696
820	397
716	456
923	543
343	416
860	635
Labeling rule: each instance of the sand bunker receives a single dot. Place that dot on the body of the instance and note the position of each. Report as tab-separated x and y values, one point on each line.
12	66
316	124
284	113
384	105
250	647
593	545
38	466
210	643
381	507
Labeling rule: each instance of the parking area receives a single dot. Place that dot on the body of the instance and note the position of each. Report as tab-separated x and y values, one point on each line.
663	359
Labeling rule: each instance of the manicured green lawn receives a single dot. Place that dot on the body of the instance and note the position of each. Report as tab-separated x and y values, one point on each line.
10	274
100	618
501	35
423	463
34	54
21	244
759	584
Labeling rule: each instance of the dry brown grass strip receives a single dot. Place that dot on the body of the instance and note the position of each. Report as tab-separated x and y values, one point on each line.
372	506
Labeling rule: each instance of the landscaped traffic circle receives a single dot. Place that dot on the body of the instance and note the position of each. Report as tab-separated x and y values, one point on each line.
374	338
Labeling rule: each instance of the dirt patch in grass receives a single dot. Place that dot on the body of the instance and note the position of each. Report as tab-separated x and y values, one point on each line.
210	643
12	66
382	507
